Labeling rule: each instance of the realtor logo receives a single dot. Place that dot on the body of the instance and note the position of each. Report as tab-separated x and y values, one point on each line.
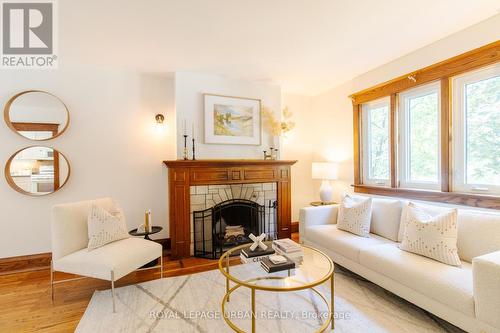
28	34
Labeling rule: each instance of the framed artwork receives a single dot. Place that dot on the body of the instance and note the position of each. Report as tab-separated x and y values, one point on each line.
232	120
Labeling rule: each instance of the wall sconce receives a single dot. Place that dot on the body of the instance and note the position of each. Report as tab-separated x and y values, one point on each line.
160	119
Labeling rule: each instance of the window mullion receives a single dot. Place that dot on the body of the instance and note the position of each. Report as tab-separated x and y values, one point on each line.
393	140
446	120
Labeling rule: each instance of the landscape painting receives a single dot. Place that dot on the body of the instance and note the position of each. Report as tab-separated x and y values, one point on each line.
232	120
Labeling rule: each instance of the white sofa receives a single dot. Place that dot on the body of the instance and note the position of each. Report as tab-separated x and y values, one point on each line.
467	296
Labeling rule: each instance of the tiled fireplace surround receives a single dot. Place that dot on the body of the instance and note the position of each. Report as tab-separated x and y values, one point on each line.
183	175
207	196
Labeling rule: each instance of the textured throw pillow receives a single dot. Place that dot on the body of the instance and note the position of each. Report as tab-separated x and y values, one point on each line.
105	227
355	216
434	237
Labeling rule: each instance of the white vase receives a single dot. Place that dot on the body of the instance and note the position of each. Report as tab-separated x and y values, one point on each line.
326	191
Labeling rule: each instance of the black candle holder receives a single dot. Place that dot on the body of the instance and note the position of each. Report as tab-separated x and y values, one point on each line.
194	155
185	153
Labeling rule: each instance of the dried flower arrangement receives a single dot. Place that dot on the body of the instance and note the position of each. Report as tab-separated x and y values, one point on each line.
274	126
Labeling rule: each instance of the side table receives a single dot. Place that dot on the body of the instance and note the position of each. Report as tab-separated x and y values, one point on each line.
321	203
154	230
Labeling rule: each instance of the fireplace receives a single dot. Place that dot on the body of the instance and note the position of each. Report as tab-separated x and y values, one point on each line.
229	223
201	184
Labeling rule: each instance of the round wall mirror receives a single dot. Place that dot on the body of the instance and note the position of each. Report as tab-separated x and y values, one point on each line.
36	115
37	171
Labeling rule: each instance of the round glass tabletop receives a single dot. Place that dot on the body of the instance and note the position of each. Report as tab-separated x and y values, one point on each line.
314	269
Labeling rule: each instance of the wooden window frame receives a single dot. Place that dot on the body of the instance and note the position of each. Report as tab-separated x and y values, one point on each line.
443	72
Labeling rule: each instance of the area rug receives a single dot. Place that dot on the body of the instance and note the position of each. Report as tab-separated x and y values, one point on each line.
192	303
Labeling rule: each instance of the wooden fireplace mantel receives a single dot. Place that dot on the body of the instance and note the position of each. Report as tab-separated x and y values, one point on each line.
182	174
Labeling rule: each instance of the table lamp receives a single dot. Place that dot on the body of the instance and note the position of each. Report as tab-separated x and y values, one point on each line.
325	171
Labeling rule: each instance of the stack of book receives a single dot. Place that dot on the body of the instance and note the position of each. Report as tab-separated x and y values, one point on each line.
247	256
288	248
277	266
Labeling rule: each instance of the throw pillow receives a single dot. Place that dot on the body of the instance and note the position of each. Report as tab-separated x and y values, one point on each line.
434	237
355	216
105	227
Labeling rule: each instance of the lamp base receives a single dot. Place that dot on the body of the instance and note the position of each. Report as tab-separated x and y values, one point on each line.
326	191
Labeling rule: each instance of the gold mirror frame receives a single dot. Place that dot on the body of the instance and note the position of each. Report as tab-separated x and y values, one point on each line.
15	187
6	114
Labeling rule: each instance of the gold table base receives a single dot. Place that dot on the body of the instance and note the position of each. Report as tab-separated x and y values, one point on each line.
229	291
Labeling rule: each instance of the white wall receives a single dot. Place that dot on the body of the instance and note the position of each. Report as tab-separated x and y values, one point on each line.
189	90
324	122
111	144
298	145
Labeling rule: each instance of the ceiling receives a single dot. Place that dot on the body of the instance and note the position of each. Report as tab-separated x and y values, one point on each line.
306	46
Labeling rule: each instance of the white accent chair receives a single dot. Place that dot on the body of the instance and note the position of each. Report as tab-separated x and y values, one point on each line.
109	262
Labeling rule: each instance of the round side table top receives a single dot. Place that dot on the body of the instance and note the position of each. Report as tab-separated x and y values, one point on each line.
321	203
154	230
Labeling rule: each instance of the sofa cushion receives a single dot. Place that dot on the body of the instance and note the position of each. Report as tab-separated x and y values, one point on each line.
432	237
105	226
429	209
386	218
478	233
449	285
355	215
100	262
349	245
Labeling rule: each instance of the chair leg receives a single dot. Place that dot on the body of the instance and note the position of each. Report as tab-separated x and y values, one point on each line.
161	267
113	290
51	282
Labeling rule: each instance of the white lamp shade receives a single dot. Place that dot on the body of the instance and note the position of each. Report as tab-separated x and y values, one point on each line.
325	170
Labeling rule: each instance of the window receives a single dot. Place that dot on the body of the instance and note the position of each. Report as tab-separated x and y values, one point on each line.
419	135
375	134
476	131
433	134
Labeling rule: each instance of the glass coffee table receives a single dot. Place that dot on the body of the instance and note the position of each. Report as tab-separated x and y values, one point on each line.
315	269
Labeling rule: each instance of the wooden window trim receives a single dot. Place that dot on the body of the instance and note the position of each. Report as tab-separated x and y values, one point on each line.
443	72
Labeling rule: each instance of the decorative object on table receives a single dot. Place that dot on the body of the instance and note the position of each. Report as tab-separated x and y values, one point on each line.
185	151
141	228
288	248
277	259
232	120
147	220
185	136
325	171
194	149
271	267
277	127
258	241
321	203
272	156
247	255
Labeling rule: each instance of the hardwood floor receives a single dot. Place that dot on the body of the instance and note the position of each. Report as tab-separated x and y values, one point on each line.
25	304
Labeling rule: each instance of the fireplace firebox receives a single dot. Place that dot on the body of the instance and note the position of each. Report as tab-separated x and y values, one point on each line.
229	224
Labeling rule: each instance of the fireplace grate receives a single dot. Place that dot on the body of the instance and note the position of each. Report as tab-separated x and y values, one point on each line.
229	223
